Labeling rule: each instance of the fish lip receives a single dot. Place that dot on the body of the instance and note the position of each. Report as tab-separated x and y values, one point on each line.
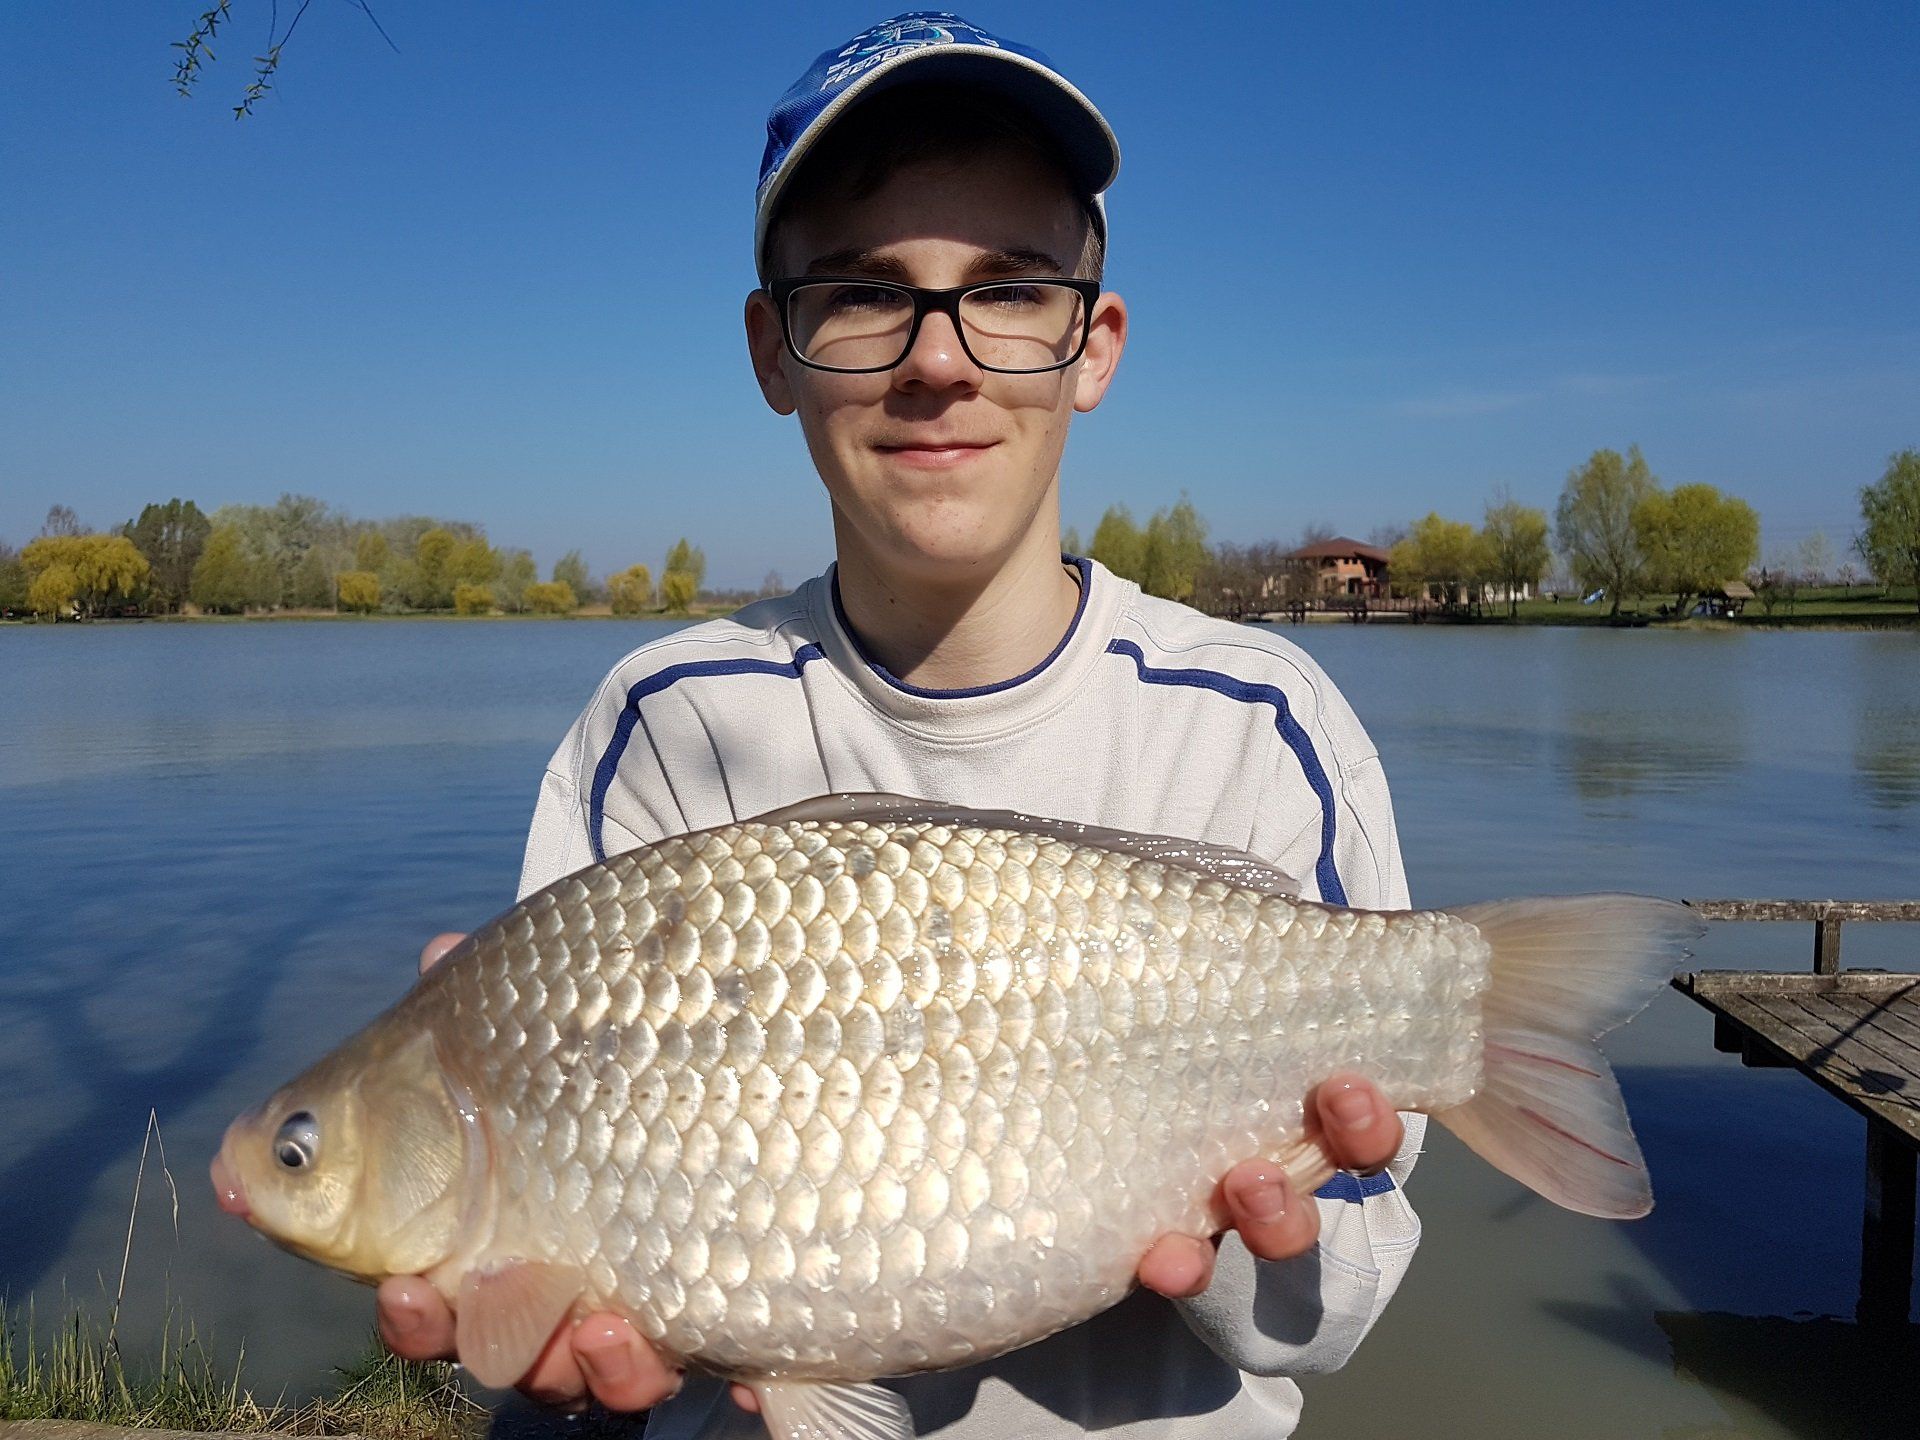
228	1189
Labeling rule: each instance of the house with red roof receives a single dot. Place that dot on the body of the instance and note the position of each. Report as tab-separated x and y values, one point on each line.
1344	567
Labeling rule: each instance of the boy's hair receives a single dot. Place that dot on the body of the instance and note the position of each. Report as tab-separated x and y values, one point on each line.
916	124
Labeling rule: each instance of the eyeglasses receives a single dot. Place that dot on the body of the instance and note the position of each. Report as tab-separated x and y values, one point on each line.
856	326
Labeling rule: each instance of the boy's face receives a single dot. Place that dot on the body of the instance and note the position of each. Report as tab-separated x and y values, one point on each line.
937	467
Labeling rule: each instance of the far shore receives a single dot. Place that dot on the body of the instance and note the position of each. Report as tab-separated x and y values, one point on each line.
1823	608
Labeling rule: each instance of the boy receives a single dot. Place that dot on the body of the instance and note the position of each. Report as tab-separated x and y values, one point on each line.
930	240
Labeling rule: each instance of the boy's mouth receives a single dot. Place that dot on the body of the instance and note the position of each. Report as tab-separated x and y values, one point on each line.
936	454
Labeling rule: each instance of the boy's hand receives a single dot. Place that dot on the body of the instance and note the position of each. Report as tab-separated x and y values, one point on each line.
1353	1124
603	1355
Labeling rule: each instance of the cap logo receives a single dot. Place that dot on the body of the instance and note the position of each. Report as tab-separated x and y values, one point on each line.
894	37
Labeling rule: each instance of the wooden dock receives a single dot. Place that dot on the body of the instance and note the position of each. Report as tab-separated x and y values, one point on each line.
1855	1033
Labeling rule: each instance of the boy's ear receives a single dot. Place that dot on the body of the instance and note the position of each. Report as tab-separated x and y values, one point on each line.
768	352
1105	340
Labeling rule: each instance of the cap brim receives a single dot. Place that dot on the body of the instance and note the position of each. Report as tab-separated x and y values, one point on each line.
1087	143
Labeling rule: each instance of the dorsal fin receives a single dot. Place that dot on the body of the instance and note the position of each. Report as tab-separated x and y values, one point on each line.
1235	867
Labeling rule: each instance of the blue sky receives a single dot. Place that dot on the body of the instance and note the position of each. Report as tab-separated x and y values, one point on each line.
1381	260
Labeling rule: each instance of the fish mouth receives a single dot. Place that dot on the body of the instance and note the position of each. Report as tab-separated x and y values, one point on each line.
228	1189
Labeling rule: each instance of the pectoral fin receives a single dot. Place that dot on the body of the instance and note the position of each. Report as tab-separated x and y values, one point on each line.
813	1410
508	1310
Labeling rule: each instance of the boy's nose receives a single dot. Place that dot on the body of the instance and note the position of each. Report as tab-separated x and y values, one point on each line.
937	357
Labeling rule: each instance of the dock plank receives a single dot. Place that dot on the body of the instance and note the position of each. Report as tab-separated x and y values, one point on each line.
1852	1033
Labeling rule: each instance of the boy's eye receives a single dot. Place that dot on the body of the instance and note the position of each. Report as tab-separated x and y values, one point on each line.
1012	297
853	299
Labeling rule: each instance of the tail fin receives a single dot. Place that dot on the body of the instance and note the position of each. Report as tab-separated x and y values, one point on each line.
1564	972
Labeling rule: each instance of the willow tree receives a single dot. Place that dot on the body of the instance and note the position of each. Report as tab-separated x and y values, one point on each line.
1120	545
1890	509
1513	540
103	567
1695	539
1594	523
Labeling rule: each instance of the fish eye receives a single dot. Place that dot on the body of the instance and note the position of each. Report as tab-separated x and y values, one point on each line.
298	1141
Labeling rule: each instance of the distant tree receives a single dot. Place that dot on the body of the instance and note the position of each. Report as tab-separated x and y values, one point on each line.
678	591
631	591
1694	539
61	522
772	585
1890	510
1314	532
311	585
1513	541
517	572
223	580
570	570
1175	551
103	567
53	591
358	590
690	558
1594	523
1438	551
469	599
1120	545
171	536
370	551
1070	542
1848	574
474	562
1777	582
1816	559
13	580
553	597
433	558
1385	537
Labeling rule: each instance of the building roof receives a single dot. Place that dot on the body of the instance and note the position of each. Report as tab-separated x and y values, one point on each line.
1737	590
1340	548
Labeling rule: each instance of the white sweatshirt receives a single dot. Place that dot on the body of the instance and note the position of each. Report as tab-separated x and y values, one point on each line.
1147	716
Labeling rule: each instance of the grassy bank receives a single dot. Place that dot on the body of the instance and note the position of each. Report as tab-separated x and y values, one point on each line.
82	1372
592	612
1816	608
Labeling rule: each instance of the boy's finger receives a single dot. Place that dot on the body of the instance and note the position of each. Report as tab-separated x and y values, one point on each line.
1359	1129
414	1321
1274	1223
435	949
621	1368
1177	1266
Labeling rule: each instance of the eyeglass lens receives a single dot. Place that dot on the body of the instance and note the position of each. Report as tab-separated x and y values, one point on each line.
1019	326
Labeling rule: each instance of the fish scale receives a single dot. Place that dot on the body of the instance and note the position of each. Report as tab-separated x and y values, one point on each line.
938	1043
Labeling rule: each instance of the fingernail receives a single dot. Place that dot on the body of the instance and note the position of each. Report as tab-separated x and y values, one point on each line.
404	1315
1264	1197
1266	1203
605	1356
1350	1108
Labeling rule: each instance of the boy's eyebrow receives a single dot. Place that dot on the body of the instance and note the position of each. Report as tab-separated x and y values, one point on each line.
869	260
1014	262
858	260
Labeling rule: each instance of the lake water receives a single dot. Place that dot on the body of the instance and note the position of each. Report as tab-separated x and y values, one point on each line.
224	845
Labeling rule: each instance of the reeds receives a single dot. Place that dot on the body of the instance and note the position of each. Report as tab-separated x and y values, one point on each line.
79	1373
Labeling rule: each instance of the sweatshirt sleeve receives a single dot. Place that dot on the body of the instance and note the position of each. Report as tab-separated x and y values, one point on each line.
1307	1315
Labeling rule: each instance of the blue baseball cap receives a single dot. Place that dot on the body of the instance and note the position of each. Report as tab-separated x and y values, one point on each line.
922	46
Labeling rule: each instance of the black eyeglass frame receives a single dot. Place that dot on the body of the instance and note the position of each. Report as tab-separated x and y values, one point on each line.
942	302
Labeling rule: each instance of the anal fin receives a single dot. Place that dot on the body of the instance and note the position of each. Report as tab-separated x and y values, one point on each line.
507	1312
823	1410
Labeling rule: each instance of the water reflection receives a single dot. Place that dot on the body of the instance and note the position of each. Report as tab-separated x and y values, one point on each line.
1815	1379
1886	756
1658	720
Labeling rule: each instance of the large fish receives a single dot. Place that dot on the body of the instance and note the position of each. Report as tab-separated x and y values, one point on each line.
867	1086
